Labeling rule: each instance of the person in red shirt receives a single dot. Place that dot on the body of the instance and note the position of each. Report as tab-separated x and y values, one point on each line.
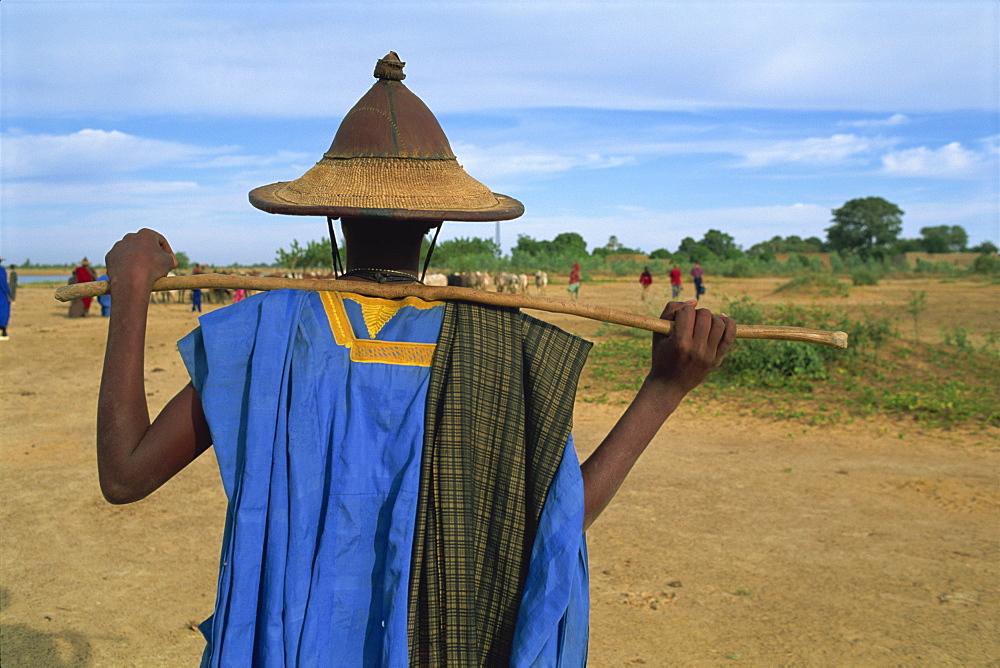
574	281
646	280
675	281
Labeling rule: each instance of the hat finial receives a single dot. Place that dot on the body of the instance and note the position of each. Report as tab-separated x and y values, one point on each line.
390	67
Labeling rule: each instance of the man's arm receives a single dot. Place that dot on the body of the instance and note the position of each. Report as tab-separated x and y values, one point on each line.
135	457
680	363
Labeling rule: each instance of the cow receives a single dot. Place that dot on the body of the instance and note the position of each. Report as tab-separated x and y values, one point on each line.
480	280
507	282
167	296
541	281
436	279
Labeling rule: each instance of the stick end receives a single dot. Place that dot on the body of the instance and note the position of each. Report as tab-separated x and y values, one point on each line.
839	340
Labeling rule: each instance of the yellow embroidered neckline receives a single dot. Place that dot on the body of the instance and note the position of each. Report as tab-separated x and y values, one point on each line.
376	312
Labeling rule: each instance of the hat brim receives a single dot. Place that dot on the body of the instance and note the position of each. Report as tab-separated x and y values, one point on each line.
266	199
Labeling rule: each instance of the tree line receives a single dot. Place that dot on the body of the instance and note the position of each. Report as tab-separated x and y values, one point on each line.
862	230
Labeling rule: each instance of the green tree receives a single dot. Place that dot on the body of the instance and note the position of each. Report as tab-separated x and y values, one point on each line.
660	254
986	248
694	251
908	245
790	244
866	227
466	254
615	247
569	243
467	246
183	261
944	239
531	253
313	254
721	245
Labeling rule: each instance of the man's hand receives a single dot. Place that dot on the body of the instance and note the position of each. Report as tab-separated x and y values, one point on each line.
139	259
699	341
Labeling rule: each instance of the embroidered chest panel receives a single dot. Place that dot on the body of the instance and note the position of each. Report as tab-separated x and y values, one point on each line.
375	315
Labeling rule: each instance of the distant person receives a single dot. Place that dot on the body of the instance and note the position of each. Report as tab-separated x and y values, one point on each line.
12	281
5	299
675	281
105	299
196	293
699	285
239	295
574	281
646	280
83	273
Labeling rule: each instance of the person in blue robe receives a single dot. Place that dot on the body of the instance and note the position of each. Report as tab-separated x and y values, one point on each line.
319	409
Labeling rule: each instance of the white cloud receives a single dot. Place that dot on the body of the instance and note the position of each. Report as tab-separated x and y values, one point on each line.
891	121
56	192
517	160
813	151
950	161
255	161
89	153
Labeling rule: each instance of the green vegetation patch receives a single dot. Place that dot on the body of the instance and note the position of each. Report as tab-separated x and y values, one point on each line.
822	285
945	384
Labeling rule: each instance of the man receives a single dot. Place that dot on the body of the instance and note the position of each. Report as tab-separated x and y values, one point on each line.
105	299
196	293
675	281
82	273
645	280
6	298
12	281
698	275
574	281
401	478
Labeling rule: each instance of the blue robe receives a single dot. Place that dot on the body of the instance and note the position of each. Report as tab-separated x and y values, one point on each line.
5	297
316	404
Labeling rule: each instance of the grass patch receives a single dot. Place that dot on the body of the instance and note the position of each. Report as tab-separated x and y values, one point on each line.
820	285
945	384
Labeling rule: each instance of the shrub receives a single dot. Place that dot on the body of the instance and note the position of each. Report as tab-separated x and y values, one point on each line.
864	276
740	268
986	264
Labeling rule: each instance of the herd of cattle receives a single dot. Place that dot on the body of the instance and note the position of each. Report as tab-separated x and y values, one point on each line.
479	280
502	281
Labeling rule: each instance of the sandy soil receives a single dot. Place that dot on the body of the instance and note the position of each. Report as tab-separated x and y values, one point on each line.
735	541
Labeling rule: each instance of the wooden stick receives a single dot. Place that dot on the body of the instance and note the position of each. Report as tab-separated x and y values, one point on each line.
434	293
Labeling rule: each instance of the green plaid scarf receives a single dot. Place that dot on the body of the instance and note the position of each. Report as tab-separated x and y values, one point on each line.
499	411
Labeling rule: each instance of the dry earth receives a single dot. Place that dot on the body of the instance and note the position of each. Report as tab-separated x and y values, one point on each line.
736	541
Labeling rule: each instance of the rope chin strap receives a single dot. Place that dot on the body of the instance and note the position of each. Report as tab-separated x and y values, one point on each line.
338	266
430	251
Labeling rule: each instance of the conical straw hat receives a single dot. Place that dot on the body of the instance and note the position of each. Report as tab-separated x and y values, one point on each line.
389	159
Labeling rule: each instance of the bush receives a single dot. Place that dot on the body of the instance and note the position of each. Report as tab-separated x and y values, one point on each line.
756	363
741	268
986	264
837	265
864	276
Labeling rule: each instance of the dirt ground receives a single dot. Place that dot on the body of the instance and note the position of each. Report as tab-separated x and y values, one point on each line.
735	541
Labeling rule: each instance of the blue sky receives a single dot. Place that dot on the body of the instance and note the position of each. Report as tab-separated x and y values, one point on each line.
648	120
